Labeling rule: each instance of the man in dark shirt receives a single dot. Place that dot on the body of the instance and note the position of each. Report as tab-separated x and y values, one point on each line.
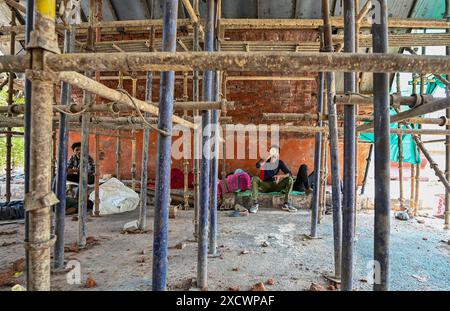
271	181
73	166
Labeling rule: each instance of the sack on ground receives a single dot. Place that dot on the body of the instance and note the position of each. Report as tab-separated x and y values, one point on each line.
115	197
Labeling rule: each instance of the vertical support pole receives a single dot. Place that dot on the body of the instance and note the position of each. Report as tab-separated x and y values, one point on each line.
118	140
382	153
317	158
348	208
195	98
162	191
133	144
98	38
84	159
417	175
27	134
334	145
118	154
185	161
366	171
61	177
8	169
145	145
202	260
215	150
400	168
447	138
223	92
400	149
38	200
146	139
411	196
323	176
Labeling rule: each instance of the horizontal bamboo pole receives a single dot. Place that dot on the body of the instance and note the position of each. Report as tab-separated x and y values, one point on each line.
95	87
288	62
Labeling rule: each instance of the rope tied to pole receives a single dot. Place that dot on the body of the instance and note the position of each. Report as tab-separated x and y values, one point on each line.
147	124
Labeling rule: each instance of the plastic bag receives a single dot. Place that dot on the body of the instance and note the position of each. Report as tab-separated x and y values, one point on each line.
115	197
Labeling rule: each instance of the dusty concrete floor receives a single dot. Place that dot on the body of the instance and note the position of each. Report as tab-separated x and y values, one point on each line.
291	260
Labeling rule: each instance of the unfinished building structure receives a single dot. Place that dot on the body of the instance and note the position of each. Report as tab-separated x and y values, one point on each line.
126	73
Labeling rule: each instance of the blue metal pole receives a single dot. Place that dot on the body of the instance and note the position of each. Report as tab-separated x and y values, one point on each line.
215	151
27	126
317	161
382	154
63	139
348	208
162	191
214	170
202	260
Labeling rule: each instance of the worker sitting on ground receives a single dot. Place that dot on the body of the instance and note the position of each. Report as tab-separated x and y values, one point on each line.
304	182
73	167
270	181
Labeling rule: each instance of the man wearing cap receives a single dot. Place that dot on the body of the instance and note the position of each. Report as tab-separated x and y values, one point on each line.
271	180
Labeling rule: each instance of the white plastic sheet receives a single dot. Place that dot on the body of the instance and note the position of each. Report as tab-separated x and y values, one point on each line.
115	197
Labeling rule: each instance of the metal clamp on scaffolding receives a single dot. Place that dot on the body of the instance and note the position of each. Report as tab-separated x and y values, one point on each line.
34	201
40	245
444	121
40	75
45	36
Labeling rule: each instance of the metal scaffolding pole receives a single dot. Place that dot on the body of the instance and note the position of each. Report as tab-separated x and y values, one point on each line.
317	161
348	208
40	197
144	169
215	152
334	147
10	101
287	62
447	139
196	98
163	158
202	260
63	140
366	171
146	140
84	158
382	155
27	133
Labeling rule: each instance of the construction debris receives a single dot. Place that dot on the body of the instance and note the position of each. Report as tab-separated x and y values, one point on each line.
90	282
316	287
258	287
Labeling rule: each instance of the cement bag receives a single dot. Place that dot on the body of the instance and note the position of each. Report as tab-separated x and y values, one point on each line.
115	197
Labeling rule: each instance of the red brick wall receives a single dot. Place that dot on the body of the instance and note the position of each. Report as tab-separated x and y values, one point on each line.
251	98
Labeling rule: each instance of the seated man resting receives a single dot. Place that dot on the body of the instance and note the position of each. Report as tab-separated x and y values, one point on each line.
73	167
271	181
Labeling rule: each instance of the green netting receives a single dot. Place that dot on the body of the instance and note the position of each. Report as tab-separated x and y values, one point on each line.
410	152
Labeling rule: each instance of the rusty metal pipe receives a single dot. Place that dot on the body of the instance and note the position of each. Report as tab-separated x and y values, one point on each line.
236	61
